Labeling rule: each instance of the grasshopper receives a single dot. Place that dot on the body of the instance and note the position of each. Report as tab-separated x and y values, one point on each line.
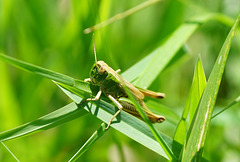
111	84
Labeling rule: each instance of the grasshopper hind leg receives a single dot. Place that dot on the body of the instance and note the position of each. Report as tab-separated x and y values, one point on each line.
118	105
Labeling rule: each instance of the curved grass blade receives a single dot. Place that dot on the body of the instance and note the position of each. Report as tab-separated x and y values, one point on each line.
95	136
155	62
65	114
195	93
125	123
193	148
133	72
164	54
121	16
38	70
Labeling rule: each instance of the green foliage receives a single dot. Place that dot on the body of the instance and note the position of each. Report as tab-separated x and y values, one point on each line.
199	126
195	93
160	43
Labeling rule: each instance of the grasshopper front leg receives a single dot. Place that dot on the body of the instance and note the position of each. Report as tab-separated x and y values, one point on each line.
87	80
98	94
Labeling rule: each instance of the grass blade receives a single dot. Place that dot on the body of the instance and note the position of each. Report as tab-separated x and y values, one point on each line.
10	152
38	70
95	136
195	93
200	125
155	62
198	87
65	114
120	16
164	54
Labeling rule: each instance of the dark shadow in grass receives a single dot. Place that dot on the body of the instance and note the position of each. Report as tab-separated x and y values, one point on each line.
89	106
175	148
198	156
96	109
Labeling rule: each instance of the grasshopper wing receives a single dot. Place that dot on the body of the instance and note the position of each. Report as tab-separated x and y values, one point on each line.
151	93
138	94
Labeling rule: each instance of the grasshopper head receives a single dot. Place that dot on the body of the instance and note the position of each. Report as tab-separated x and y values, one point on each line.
98	73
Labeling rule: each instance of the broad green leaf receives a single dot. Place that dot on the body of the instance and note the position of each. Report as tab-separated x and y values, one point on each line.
65	114
133	72
195	93
194	145
95	136
125	123
154	63
165	53
38	70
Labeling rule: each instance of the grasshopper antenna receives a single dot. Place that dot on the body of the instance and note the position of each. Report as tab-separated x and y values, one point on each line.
94	49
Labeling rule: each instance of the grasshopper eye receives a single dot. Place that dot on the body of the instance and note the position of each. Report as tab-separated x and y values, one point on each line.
101	70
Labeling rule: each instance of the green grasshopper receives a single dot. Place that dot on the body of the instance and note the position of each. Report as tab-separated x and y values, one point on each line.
111	84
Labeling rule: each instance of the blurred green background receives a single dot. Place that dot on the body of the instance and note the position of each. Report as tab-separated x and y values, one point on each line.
50	34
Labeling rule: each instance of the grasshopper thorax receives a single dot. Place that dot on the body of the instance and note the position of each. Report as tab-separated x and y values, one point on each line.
98	73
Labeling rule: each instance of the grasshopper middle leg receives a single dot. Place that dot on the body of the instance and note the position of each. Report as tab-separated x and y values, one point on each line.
87	80
118	105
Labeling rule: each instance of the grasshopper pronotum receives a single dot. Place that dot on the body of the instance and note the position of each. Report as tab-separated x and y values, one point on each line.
111	84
